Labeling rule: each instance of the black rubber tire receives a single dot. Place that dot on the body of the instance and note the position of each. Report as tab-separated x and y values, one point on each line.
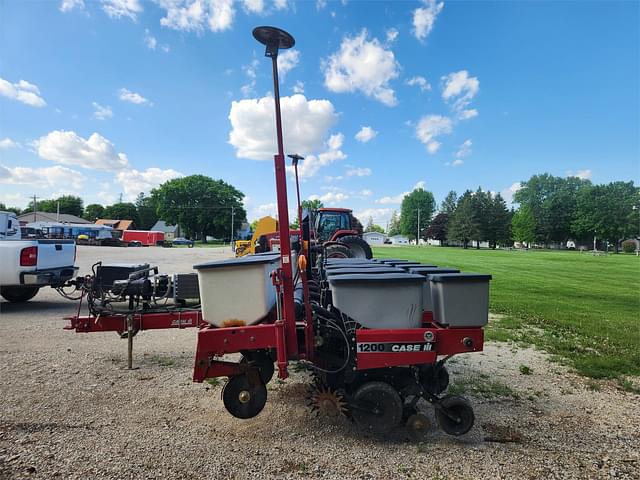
243	400
385	399
458	407
18	294
264	363
434	378
338	251
359	247
418	426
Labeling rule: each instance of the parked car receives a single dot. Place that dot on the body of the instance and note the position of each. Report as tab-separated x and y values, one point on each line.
30	264
183	241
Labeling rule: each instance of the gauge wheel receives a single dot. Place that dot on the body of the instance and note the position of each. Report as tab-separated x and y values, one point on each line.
377	407
455	415
243	399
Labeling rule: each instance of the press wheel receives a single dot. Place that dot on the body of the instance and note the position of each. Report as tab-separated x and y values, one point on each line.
243	399
455	415
377	407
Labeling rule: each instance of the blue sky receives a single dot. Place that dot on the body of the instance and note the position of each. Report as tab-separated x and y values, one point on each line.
111	97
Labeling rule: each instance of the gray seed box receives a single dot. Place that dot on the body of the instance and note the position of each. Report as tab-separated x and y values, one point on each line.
460	299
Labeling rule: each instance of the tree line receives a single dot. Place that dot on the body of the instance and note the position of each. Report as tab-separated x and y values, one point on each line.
202	206
552	210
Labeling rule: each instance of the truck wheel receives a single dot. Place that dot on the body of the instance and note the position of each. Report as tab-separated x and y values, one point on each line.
18	294
358	246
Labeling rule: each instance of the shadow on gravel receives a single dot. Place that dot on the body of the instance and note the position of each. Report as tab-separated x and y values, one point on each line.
65	306
32	427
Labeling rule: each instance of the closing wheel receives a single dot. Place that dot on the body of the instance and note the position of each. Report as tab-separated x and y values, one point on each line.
418	426
264	363
243	400
455	415
377	407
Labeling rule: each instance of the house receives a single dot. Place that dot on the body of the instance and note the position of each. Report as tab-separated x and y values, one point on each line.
35	217
171	232
374	238
115	224
399	240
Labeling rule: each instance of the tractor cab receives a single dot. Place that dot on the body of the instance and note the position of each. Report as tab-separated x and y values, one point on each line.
329	221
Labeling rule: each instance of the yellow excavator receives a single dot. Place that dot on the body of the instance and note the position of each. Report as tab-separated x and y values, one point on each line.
265	225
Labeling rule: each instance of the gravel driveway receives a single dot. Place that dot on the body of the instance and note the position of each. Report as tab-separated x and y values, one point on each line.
70	409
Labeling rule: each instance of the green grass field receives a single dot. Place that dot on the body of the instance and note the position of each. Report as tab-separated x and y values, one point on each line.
583	308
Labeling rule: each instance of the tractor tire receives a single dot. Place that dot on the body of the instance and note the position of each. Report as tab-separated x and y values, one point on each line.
358	246
18	294
334	251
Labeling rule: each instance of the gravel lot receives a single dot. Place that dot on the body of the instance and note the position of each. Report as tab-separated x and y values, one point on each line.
70	409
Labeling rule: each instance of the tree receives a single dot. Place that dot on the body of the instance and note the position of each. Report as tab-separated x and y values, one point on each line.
438	228
608	211
498	227
372	227
463	223
419	199
146	211
200	204
122	211
448	205
314	204
4	208
481	208
69	204
523	225
394	224
93	211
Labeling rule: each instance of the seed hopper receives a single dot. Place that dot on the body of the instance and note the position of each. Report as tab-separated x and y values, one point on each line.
375	333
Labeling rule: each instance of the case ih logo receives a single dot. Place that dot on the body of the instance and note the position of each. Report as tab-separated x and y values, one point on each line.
374	347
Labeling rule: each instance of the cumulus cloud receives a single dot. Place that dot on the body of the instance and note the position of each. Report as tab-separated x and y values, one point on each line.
280	4
424	18
460	88
7	143
330	198
134	181
362	65
253	6
287	61
299	87
100	112
132	97
358	172
306	124
122	8
392	35
313	163
54	177
430	127
68	148
23	91
380	215
196	15
509	192
68	5
397	199
365	134
465	149
583	174
419	81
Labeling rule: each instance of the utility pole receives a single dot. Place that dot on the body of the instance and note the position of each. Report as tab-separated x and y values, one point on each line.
232	215
120	199
418	236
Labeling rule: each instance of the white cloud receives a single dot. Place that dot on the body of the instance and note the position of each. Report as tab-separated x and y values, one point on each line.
7	143
330	198
365	134
132	97
465	149
266	209
425	17
194	15
299	87
430	127
313	163
320	4
380	215
365	193
149	40
508	193
419	81
358	172
460	88
457	162
133	181
392	35
54	177
122	8
397	199
253	6
101	113
287	61
68	5
583	174
362	65
280	4
68	148
306	124
23	91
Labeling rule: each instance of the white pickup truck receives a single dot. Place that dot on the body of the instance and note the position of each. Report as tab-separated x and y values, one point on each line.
26	265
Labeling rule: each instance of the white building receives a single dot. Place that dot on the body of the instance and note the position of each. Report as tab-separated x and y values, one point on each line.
374	238
399	240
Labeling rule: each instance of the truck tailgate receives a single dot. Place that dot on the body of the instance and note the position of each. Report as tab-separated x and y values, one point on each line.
56	253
